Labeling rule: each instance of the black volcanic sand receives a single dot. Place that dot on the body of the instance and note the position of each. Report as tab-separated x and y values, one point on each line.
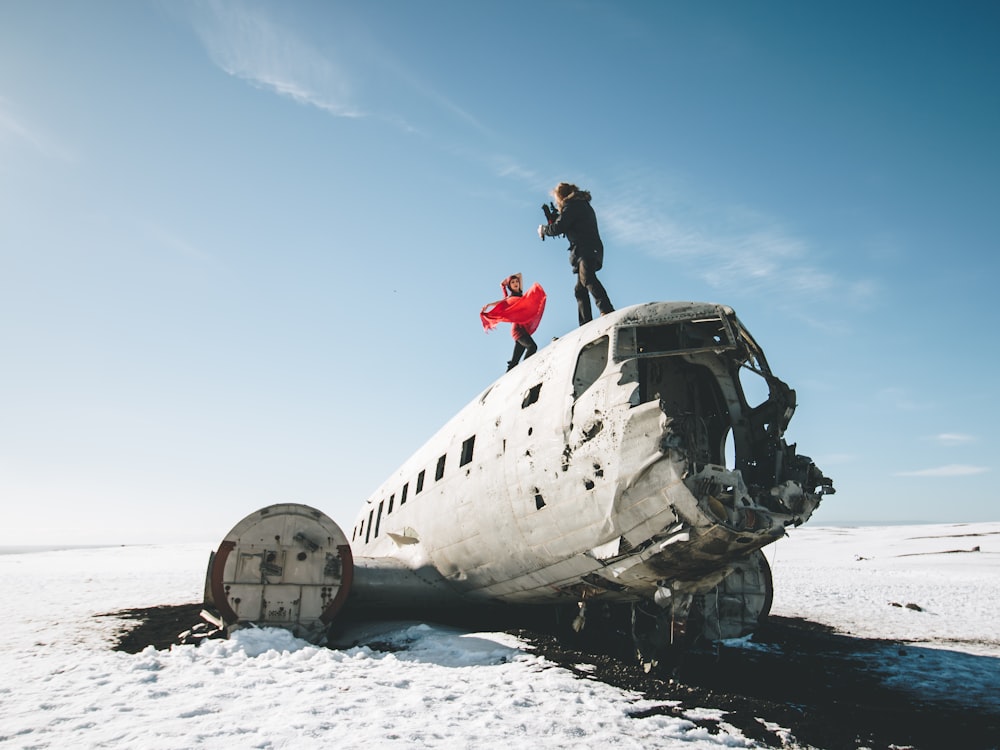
812	682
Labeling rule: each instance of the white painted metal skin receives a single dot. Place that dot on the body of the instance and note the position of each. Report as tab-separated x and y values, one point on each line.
594	471
579	484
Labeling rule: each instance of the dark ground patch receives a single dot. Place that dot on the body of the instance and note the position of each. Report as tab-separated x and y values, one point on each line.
813	682
160	627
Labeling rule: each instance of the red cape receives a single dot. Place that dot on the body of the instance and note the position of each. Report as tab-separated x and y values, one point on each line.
524	311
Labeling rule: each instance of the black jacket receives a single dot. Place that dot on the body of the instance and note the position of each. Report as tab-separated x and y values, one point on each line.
578	222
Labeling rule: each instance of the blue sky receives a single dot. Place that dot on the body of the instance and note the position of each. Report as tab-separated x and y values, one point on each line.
243	246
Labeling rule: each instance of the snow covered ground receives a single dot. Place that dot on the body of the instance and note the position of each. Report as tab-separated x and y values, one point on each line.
62	685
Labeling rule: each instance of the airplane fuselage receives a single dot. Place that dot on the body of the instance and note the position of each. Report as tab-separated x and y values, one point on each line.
627	461
597	467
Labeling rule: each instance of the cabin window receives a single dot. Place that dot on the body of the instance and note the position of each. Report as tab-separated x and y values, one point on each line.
392	498
402	497
354	534
368	534
590	364
378	518
531	396
439	472
420	482
467	450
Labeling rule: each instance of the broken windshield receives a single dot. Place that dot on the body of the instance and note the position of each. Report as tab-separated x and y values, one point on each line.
686	336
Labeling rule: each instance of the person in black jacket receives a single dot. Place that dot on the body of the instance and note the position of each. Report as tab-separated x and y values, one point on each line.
578	222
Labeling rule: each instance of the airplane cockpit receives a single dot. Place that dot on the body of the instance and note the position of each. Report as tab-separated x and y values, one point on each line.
711	379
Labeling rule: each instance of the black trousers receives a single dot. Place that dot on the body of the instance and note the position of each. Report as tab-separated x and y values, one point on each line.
523	344
587	285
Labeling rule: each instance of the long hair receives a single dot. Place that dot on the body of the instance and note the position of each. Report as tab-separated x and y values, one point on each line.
562	192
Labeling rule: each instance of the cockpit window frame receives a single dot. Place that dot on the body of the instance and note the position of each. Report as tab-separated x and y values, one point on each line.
591	362
629	345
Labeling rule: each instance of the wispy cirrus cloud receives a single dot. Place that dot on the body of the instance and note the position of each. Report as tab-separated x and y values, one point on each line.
901	399
952	438
248	44
179	246
16	128
723	245
508	167
951	470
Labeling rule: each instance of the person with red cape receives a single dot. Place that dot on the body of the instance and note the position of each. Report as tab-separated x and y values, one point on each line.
522	309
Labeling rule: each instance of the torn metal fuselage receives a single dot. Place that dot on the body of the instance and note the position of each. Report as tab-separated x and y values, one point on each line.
718	465
691	397
637	463
640	458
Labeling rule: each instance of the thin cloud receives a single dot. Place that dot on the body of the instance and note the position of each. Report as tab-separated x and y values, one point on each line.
952	438
504	166
404	73
863	292
901	399
723	245
248	45
14	127
181	247
951	470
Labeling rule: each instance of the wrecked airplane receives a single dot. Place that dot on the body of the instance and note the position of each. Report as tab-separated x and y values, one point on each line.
624	468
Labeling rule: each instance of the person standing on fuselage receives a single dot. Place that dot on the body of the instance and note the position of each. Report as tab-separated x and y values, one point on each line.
578	222
523	309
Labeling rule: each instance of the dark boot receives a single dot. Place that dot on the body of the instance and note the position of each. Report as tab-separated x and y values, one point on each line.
516	356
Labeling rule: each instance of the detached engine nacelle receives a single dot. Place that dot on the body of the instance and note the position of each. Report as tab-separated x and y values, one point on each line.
287	566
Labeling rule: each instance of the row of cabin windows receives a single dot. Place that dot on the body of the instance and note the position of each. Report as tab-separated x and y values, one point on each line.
370	529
